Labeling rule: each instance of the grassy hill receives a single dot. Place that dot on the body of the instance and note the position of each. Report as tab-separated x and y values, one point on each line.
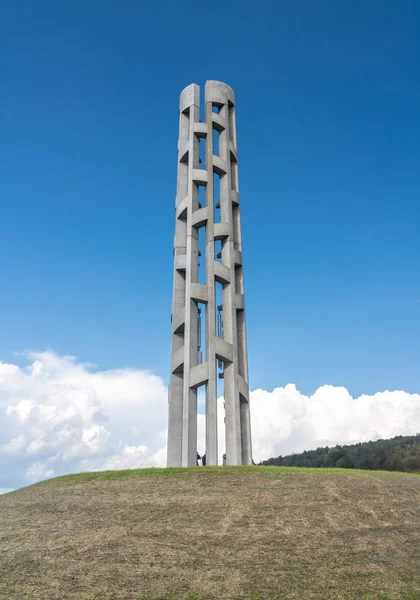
209	533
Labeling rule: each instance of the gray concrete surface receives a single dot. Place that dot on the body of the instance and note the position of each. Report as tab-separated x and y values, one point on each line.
224	346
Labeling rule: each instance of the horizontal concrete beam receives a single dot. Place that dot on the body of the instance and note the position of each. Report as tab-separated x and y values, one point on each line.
221	231
223	350
234	196
200	129
233	151
219	165
183	152
219	122
178	322
181	209
239	300
181	262
200	176
199	292
243	388
221	273
199	375
178	360
199	217
238	257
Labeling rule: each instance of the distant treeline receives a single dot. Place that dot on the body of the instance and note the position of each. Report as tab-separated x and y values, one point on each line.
401	453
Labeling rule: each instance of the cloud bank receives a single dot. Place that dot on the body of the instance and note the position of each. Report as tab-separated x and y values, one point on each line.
58	415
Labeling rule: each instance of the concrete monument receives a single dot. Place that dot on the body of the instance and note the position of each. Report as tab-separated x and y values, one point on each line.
208	290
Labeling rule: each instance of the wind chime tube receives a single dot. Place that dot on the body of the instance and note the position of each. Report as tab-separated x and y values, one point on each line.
200	354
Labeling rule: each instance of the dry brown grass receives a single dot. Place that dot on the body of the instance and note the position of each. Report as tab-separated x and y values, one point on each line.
266	533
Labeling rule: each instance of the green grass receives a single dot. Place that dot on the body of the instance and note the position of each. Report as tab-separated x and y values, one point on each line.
271	471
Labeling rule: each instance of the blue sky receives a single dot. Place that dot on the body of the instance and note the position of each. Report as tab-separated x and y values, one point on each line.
328	97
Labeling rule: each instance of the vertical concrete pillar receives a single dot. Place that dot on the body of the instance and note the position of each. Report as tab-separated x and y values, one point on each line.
226	345
211	387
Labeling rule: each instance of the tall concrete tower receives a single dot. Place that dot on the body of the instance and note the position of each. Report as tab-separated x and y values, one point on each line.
208	290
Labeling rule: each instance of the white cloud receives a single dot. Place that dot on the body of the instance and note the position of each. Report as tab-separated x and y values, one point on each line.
135	457
58	416
38	471
285	421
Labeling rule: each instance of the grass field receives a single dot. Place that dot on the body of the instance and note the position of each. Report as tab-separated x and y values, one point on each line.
213	532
